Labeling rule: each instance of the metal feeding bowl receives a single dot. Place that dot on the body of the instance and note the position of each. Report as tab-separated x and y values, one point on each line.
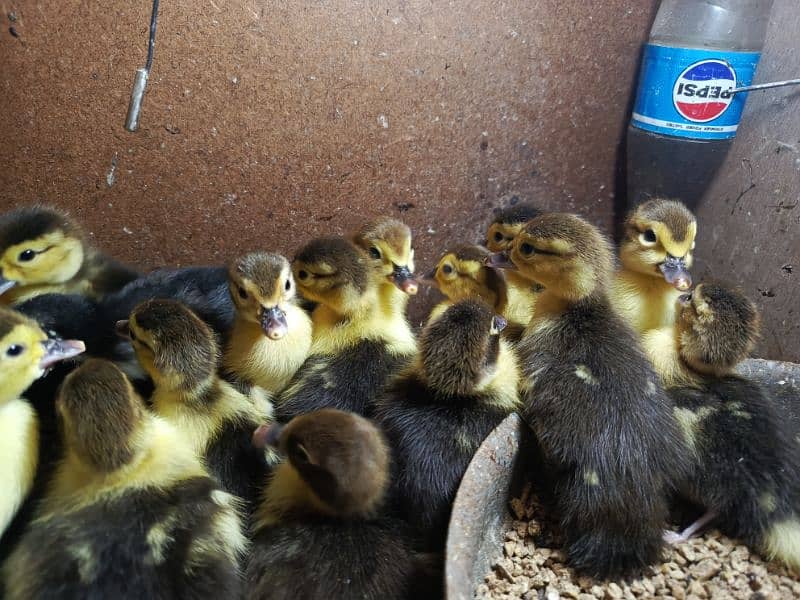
480	513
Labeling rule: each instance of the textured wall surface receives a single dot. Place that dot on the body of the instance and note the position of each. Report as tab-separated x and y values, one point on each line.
265	123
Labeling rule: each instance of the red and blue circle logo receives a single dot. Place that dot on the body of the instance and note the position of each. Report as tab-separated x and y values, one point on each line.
702	92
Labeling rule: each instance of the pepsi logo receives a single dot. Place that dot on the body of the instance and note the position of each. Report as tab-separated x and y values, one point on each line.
703	91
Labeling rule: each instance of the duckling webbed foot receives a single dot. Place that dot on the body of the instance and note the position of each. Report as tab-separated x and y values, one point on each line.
678	537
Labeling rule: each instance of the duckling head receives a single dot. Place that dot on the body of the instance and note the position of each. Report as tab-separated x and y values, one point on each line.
461	274
333	272
100	415
341	457
459	350
262	288
387	241
38	245
658	241
173	345
718	327
26	353
507	224
563	252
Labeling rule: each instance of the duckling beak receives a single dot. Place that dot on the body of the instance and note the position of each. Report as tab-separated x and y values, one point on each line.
122	329
498	324
6	284
499	260
56	350
675	272
403	278
273	323
267	435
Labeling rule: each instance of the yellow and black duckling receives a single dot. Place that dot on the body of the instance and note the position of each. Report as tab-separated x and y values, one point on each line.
26	353
609	439
203	289
42	250
522	293
131	512
177	349
461	274
271	336
320	532
439	411
745	462
357	345
656	255
388	243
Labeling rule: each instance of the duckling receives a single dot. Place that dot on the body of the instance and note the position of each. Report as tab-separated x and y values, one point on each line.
26	353
319	532
203	289
522	293
43	250
179	352
437	413
746	466
608	435
461	273
656	255
357	345
388	243
131	512
271	336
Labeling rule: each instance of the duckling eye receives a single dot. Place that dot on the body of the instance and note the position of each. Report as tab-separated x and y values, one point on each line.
526	249
15	350
498	237
374	252
242	293
447	269
26	255
302	274
288	285
649	236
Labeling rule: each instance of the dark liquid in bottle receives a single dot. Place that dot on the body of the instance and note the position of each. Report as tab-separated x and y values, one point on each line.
671	167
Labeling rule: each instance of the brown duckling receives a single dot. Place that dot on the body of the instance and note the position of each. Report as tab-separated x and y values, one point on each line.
436	413
656	255
357	344
26	353
609	439
522	293
179	352
745	462
320	532
131	512
42	250
271	336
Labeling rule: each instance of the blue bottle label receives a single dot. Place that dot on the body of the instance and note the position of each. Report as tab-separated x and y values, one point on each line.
685	92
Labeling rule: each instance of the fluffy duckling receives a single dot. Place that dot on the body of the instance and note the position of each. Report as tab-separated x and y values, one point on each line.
461	274
42	250
439	411
356	345
177	349
656	255
131	512
746	468
522	293
608	435
388	243
271	336
319	532
203	289
26	353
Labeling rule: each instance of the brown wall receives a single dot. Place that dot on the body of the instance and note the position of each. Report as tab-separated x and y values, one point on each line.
265	123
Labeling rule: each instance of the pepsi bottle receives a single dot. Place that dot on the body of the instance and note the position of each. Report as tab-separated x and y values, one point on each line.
685	117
